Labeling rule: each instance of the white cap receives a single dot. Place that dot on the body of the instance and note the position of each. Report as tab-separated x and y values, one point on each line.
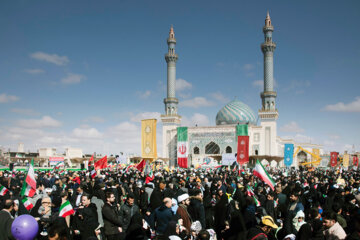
183	197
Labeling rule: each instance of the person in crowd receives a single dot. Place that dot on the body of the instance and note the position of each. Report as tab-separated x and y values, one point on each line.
86	219
196	208
162	216
184	202
333	229
127	211
6	219
262	231
112	221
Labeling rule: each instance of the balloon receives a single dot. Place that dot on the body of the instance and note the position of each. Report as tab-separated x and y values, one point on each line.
24	227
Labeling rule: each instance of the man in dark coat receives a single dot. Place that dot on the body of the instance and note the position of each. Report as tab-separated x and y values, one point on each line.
6	220
196	208
157	196
128	210
162	216
112	221
86	218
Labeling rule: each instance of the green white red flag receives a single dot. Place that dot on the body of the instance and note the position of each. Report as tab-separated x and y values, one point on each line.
66	209
182	147
29	185
3	191
149	177
261	173
28	205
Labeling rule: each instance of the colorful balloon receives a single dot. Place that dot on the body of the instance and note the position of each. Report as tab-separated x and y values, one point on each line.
24	227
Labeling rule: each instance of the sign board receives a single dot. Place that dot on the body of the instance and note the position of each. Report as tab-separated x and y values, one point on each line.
228	159
55	160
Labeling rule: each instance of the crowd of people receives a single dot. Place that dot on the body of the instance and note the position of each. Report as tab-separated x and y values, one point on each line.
188	204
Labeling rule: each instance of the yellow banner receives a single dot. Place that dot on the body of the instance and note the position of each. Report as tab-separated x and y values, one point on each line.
346	159
316	152
148	139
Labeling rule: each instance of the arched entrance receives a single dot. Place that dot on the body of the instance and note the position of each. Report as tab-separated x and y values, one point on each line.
212	148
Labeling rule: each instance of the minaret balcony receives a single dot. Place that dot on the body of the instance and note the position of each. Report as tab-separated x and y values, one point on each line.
268	47
172	57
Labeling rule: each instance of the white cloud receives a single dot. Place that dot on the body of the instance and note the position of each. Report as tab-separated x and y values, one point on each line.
182	85
196	102
353	106
196	119
94	119
219	97
34	71
44	122
4	98
297	85
258	83
334	136
51	58
72	78
86	133
144	95
248	67
145	115
291	127
24	111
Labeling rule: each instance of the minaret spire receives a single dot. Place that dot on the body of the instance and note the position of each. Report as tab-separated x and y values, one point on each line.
268	96
171	57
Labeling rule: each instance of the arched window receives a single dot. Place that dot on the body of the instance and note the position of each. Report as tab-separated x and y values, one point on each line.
228	149
196	150
212	148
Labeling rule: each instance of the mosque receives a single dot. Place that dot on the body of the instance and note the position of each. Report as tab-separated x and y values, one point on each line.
210	143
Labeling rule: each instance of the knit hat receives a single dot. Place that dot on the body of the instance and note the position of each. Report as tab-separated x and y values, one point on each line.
183	197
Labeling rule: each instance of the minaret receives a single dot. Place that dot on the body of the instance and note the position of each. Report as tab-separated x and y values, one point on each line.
269	95
268	113
171	57
171	119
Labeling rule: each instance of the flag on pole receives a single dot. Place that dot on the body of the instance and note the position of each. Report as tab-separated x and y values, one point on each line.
242	130
92	158
101	164
288	154
3	191
182	147
93	173
141	165
28	205
58	165
333	158
355	161
66	209
250	191
243	149
256	201
29	185
261	173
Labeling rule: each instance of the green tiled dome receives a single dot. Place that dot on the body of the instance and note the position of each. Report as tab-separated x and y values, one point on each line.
235	112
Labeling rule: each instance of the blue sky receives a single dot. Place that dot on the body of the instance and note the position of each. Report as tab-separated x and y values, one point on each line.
84	73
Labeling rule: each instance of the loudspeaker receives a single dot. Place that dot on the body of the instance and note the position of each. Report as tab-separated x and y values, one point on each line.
11	166
82	166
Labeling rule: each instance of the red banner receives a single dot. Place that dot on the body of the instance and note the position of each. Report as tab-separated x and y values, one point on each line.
102	163
355	161
333	158
243	149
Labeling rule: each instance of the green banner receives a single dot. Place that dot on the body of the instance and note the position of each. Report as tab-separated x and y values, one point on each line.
182	134
242	130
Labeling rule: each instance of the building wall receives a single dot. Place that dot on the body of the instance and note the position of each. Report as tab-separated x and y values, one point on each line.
47	152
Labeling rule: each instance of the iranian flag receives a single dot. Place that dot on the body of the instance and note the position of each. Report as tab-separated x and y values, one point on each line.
250	191
93	173
182	146
28	205
261	173
256	201
3	191
66	209
29	185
